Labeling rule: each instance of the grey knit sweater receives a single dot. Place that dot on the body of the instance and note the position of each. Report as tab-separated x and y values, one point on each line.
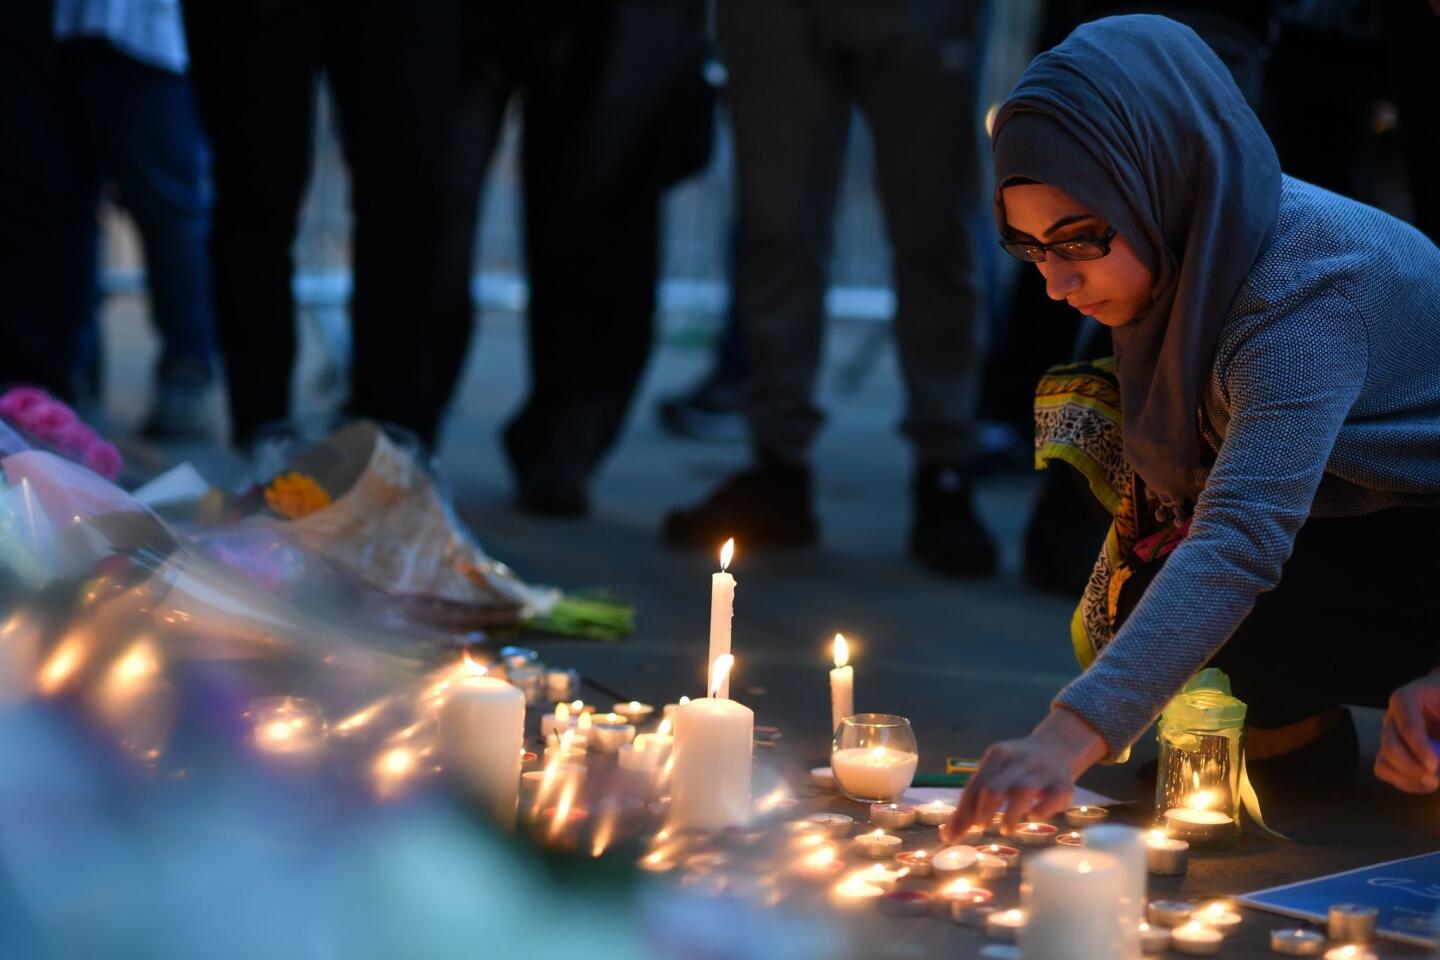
1324	400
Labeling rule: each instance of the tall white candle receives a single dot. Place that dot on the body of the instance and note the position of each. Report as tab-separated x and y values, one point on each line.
722	612
482	726
1073	893
842	684
710	779
1128	846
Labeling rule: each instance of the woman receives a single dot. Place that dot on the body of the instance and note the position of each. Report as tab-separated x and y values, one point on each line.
1277	377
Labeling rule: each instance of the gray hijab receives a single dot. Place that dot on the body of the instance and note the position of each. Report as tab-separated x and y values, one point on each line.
1138	120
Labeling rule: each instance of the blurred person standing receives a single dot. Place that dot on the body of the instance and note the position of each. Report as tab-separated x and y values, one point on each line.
796	68
614	108
393	69
132	120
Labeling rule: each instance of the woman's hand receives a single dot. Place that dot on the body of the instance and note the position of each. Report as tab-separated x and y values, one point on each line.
1034	775
1407	757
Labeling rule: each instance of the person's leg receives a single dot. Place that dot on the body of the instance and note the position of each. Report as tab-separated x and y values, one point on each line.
395	71
591	245
254	71
161	165
790	110
916	76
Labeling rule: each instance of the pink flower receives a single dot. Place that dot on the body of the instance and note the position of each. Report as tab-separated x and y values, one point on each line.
104	459
73	440
17	401
46	420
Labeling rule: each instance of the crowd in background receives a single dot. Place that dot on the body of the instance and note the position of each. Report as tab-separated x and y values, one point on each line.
199	120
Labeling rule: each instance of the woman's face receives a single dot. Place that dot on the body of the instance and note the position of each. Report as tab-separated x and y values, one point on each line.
1114	289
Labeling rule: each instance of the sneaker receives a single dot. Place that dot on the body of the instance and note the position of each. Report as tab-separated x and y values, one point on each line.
180	414
945	534
710	411
765	506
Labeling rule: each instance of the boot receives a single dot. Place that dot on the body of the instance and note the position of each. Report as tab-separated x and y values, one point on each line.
945	534
768	505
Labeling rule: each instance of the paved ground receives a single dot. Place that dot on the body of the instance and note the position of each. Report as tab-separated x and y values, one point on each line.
968	662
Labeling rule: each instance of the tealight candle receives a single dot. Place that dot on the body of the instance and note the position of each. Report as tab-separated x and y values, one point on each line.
918	862
1035	834
1219	916
634	711
970	914
953	860
934	813
1005	925
560	684
907	903
1297	942
878	845
854	893
1350	951
1085	816
577	707
836	824
973	834
286	726
557	722
961	891
1154	939
1001	852
883	876
822	861
608	737
1352	922
1198	825
635	757
1166	856
892	816
1194	937
1071	839
992	868
822	778
558	753
659	743
1169	913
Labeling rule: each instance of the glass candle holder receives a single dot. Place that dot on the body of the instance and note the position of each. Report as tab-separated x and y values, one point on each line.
1202	737
874	757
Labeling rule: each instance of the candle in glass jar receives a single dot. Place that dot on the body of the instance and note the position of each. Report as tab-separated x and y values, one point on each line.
842	684
722	613
880	772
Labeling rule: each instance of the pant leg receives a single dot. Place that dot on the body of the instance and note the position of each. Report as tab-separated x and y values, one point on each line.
159	161
591	246
43	301
916	77
255	69
395	71
790	112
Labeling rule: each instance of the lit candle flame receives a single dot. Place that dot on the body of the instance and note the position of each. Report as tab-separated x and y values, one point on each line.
719	672
960	885
842	650
360	718
562	809
1083	867
474	669
727	553
664	729
62	664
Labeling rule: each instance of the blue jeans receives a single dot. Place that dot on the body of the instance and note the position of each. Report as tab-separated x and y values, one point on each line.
136	127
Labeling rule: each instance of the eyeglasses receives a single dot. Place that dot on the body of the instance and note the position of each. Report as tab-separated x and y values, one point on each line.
1078	248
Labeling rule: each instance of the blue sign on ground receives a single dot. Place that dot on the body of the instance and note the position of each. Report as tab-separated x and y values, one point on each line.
1406	892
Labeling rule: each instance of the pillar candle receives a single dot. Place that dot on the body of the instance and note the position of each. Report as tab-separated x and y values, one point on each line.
1128	846
710	779
1073	893
722	612
842	685
482	727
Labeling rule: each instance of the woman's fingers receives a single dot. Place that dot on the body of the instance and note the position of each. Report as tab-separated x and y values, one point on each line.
1055	800
1407	712
1388	772
1019	801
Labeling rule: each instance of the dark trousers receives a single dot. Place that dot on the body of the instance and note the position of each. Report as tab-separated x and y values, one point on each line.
797	68
1349	622
394	71
591	218
136	127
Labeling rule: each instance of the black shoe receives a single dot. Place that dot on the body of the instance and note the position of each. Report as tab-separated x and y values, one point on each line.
180	414
1063	536
544	488
945	534
765	506
710	411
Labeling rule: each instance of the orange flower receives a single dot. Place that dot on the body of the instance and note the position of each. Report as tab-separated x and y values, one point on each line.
294	495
